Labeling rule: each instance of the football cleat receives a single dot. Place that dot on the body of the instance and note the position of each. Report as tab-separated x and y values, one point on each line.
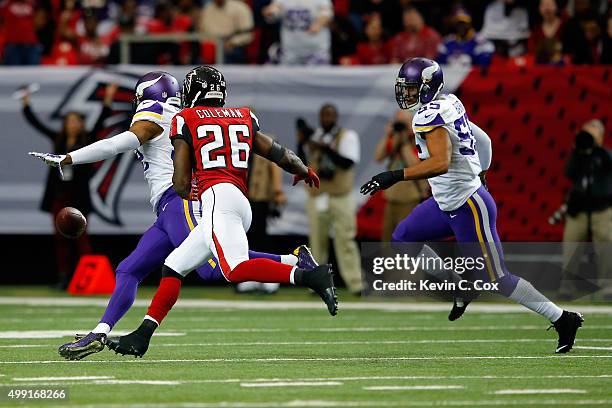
461	300
133	344
567	326
458	309
321	281
305	258
82	347
136	343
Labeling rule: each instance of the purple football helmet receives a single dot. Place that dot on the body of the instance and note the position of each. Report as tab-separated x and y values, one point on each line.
157	86
419	81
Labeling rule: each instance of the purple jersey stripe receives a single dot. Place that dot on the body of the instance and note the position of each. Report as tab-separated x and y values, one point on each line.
436	121
154	107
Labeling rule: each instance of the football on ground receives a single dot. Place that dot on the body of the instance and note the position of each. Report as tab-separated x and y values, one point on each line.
218	349
70	222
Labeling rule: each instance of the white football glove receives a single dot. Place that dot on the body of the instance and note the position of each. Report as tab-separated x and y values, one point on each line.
51	160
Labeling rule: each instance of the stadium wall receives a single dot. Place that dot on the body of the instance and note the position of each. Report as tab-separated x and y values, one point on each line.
531	115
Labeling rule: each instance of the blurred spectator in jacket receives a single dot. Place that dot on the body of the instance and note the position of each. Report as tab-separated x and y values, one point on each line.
45	28
389	11
19	25
305	35
375	50
506	23
464	46
73	189
572	35
550	52
333	151
416	40
550	27
398	147
589	205
232	22
68	20
591	50
165	21
92	50
344	38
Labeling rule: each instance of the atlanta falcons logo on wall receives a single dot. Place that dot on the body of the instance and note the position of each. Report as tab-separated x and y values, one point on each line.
86	96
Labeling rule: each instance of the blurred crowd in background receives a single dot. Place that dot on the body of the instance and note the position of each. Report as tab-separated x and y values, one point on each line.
301	32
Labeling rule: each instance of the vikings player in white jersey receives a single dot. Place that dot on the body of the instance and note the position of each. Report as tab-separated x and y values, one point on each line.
461	205
157	100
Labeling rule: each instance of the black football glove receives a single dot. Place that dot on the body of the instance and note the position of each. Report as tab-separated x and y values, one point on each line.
382	181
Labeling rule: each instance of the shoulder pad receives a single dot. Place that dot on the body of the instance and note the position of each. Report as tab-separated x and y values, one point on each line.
150	107
437	113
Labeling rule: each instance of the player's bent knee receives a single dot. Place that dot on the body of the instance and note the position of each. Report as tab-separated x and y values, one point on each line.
401	235
168	272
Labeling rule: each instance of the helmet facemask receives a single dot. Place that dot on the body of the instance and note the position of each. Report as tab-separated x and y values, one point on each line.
407	94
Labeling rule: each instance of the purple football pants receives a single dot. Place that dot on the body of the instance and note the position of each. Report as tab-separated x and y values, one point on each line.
175	219
472	224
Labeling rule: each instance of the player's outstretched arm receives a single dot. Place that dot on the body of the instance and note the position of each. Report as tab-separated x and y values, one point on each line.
138	133
286	159
181	178
439	146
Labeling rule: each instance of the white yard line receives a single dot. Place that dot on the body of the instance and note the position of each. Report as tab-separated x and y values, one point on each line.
131	382
31	379
345	379
389	329
356	404
539	391
289	384
51	334
341	342
312	359
276	305
413	387
593	348
368	342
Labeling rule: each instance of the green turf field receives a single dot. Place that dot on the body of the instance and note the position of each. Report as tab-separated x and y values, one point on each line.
262	353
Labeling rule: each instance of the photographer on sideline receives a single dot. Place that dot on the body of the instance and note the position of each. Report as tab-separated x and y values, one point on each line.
333	151
398	146
589	210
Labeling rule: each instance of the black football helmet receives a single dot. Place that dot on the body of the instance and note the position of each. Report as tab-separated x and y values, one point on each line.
204	85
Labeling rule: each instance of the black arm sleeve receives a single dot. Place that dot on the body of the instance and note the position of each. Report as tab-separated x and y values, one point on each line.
277	152
37	124
339	160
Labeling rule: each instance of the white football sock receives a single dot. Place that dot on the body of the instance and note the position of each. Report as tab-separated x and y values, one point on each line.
147	317
289	259
532	299
292	276
102	328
